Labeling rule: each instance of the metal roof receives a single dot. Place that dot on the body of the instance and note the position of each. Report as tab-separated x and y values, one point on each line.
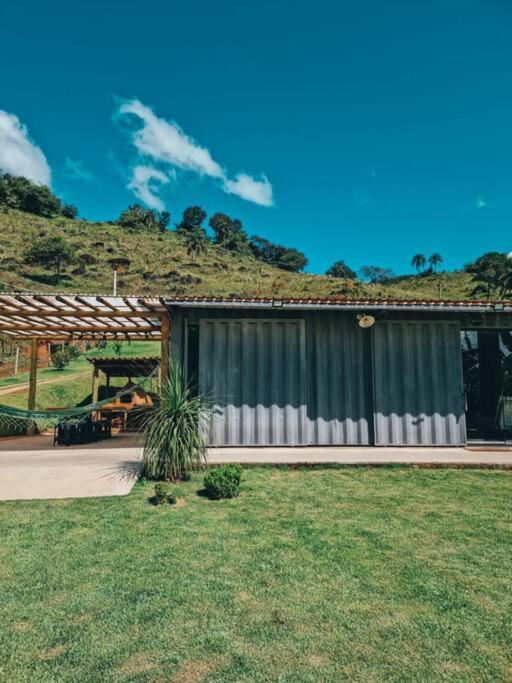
75	316
341	303
126	367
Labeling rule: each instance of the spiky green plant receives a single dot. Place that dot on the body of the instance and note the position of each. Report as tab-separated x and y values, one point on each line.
174	431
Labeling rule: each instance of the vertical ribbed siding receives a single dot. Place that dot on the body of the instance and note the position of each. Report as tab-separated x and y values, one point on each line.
339	392
418	384
255	372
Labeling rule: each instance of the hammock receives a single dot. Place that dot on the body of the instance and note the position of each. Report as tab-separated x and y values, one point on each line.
10	414
78	411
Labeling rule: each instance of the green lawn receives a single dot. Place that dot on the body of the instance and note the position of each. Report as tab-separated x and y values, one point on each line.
311	575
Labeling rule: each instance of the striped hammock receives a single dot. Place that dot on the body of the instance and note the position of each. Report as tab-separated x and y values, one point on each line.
9	413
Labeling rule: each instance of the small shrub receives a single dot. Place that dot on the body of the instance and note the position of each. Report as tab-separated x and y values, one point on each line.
60	359
161	492
223	482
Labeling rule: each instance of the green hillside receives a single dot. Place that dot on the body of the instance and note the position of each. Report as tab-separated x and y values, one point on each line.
159	263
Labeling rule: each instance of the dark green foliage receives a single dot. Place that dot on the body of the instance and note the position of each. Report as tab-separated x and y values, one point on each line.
136	217
60	359
50	252
175	442
161	492
192	220
419	262
229	233
69	211
223	482
492	273
277	255
17	192
376	274
196	241
435	260
341	270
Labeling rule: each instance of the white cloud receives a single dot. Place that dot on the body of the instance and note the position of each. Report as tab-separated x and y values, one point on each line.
480	203
76	169
18	154
145	184
166	143
257	191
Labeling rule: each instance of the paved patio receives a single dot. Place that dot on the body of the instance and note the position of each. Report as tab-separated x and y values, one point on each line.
31	468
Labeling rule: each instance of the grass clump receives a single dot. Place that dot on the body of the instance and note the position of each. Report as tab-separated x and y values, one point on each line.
223	482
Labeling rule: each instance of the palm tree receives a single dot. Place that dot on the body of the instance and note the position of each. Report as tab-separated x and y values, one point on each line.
435	260
419	262
196	242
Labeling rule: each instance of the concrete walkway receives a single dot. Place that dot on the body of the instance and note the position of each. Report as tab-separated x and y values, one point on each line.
362	456
30	468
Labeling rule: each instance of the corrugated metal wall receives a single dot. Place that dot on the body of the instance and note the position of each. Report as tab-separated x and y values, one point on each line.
339	380
418	390
255	370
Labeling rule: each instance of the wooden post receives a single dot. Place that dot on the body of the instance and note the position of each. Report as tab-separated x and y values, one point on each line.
17	359
107	380
164	350
32	382
95	384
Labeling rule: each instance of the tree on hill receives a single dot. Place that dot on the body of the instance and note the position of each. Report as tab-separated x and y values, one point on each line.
196	241
50	252
419	262
229	233
69	211
286	258
376	274
17	192
192	220
136	217
491	272
434	260
341	270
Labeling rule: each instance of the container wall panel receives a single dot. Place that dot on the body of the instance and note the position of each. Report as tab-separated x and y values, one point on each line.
255	372
418	390
339	380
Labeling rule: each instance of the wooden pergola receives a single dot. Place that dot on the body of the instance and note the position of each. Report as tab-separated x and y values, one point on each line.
66	317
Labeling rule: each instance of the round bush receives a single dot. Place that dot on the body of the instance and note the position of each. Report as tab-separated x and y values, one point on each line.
223	482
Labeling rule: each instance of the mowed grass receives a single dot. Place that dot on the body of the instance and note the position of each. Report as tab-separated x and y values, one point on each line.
311	575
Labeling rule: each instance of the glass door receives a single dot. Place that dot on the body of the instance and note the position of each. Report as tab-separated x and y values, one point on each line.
487	367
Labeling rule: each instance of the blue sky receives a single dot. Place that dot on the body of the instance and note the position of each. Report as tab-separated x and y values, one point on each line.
375	129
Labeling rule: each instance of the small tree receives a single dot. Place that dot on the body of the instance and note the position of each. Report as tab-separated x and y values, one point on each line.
277	255
341	270
376	274
69	211
419	262
196	242
490	271
229	233
192	220
51	252
136	217
435	260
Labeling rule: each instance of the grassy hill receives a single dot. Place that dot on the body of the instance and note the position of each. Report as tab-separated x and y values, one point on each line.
160	264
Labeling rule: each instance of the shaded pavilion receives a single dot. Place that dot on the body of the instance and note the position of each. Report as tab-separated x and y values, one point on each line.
121	367
67	317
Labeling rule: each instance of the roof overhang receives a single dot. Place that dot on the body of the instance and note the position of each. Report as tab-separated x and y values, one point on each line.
76	316
342	304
